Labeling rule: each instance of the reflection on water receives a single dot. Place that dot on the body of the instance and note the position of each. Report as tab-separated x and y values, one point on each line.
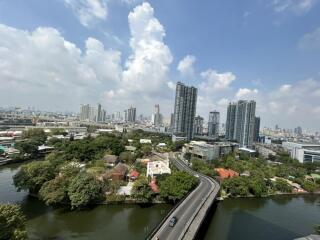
101	222
278	217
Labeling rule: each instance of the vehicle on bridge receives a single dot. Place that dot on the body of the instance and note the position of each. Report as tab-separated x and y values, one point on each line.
173	221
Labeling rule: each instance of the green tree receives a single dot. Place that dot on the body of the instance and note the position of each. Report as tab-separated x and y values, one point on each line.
55	191
12	222
258	187
36	134
177	185
33	175
282	186
146	149
28	147
127	157
237	186
84	189
141	190
309	186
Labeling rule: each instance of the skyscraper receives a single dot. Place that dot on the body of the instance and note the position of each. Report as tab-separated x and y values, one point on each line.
184	110
157	117
84	112
256	129
99	113
230	123
240	124
130	115
213	124
198	125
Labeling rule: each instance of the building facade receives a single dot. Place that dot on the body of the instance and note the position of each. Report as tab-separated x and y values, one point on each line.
208	152
256	129
240	124
184	110
130	115
198	125
303	152
157	117
213	124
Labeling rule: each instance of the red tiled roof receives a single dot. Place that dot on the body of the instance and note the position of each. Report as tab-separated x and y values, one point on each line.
226	173
154	186
134	174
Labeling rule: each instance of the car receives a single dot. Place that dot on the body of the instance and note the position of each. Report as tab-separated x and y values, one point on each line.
197	176
173	221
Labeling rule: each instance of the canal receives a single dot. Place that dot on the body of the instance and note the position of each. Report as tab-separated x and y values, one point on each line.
281	217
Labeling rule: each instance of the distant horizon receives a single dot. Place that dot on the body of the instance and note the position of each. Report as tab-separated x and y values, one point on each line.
122	53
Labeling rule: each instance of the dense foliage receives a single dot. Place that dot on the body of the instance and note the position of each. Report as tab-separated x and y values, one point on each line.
84	189
12	222
141	190
33	175
176	186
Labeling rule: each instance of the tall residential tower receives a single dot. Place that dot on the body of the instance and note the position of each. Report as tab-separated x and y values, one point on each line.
213	124
240	124
184	110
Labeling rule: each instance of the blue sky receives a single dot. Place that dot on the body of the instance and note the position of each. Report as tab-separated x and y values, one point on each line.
267	50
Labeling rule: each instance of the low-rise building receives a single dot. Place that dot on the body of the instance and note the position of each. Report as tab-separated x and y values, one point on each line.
144	141
205	151
226	173
110	160
264	151
303	152
156	168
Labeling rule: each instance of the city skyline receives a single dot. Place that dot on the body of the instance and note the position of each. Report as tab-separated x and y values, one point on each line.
90	60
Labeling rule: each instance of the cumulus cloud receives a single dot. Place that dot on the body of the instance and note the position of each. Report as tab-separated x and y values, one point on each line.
145	77
298	7
215	80
185	66
88	11
43	64
246	93
311	41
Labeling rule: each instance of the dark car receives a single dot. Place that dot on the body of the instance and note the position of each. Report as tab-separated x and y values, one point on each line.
173	221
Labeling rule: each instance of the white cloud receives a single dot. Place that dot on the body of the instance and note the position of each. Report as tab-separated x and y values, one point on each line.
216	81
311	41
44	69
246	93
185	66
145	78
88	11
298	7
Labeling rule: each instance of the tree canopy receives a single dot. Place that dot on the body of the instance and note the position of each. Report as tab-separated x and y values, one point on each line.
12	222
177	185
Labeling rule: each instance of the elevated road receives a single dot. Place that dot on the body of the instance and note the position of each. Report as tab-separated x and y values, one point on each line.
192	210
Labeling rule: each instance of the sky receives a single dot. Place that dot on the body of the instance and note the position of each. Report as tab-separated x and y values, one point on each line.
58	54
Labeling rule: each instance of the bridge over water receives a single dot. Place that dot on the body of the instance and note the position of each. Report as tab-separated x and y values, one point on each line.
191	211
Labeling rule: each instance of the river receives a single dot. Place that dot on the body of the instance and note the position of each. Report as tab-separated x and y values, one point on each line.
280	217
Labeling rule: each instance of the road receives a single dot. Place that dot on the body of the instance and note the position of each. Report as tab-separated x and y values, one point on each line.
189	208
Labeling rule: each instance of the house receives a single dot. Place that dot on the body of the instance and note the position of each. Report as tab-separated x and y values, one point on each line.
119	172
130	148
45	149
143	161
161	145
226	173
245	174
125	190
158	168
144	141
110	160
153	185
134	175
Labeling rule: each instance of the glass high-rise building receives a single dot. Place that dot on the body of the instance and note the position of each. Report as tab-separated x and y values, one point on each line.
198	125
184	110
213	124
240	124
